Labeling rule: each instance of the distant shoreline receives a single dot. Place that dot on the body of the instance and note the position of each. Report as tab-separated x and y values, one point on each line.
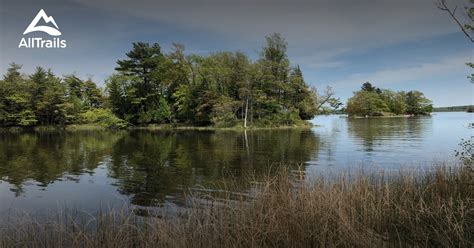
461	108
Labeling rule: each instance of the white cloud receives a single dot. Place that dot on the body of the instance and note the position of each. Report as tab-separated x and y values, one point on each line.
323	59
454	66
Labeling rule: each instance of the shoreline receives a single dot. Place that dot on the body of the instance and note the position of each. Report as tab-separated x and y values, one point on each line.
388	116
168	127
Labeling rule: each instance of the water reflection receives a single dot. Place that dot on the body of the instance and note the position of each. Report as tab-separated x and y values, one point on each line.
149	167
93	169
154	166
378	132
47	156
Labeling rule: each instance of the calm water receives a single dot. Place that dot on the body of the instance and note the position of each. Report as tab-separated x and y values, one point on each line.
91	169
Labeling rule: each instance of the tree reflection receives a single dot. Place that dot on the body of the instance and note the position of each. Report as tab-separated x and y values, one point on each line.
150	167
154	166
374	132
48	156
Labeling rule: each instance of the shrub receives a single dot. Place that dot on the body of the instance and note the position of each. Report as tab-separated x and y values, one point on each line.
27	118
104	118
223	112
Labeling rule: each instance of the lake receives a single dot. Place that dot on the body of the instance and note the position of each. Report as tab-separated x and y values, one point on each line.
87	170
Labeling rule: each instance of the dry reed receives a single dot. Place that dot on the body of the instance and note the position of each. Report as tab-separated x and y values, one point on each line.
431	209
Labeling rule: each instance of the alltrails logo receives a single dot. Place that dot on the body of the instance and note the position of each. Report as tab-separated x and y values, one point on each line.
38	42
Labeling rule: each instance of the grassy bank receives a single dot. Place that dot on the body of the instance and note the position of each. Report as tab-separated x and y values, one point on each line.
77	127
72	127
303	124
431	209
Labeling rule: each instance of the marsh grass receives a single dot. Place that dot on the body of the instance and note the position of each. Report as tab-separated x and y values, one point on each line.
429	209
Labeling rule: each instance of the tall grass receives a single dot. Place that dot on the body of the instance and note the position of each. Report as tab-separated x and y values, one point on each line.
431	209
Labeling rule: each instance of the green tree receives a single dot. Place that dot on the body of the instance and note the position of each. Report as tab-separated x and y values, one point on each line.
44	99
116	87
417	103
366	103
48	97
15	101
147	64
395	101
275	67
93	96
368	87
13	73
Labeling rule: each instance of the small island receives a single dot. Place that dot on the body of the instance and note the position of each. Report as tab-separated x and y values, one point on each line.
371	101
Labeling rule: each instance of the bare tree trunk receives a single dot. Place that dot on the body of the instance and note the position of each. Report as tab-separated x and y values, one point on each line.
246	111
246	143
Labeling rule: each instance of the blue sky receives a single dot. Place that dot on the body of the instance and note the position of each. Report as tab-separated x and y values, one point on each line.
401	45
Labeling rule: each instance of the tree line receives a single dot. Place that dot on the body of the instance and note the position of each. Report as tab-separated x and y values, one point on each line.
224	89
463	108
373	101
42	98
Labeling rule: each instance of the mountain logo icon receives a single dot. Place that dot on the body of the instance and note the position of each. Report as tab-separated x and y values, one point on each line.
47	29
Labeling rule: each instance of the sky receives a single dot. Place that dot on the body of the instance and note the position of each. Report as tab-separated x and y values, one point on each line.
400	45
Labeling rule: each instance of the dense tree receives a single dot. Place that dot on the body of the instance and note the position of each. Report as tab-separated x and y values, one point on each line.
152	87
44	99
147	64
417	103
366	103
93	97
17	93
51	106
117	86
372	101
395	101
222	89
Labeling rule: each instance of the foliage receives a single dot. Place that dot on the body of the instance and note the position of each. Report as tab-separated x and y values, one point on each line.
152	87
372	101
223	112
466	152
395	101
44	99
222	89
366	103
103	117
417	103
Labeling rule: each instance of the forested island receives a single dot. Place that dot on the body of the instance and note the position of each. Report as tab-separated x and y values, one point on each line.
373	101
224	89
